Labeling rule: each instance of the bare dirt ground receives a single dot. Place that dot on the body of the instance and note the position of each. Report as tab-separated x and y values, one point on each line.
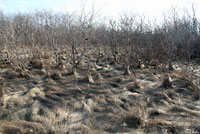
56	101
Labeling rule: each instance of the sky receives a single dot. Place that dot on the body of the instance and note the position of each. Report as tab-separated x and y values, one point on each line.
109	8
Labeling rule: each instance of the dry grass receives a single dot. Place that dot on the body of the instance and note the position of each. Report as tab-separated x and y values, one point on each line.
60	120
186	110
20	127
56	75
36	64
190	81
95	97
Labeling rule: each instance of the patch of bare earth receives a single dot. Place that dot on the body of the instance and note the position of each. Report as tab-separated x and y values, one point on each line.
46	99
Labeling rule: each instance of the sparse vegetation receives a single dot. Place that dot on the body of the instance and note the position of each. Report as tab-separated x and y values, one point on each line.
69	73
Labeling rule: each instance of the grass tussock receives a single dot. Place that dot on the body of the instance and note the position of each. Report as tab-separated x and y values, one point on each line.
36	64
135	118
56	75
189	81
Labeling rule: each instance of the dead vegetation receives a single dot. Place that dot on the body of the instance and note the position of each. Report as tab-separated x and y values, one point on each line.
68	74
97	98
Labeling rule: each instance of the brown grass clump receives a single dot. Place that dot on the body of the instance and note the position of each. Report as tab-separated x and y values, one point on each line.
194	84
26	74
156	112
154	62
42	72
61	66
35	92
60	120
195	87
56	75
136	85
36	64
88	79
132	121
135	118
46	55
189	81
50	81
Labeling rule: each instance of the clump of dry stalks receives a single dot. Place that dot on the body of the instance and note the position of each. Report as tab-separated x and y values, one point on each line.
136	118
190	81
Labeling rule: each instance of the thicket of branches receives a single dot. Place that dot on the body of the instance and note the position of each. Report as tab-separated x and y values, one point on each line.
175	38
